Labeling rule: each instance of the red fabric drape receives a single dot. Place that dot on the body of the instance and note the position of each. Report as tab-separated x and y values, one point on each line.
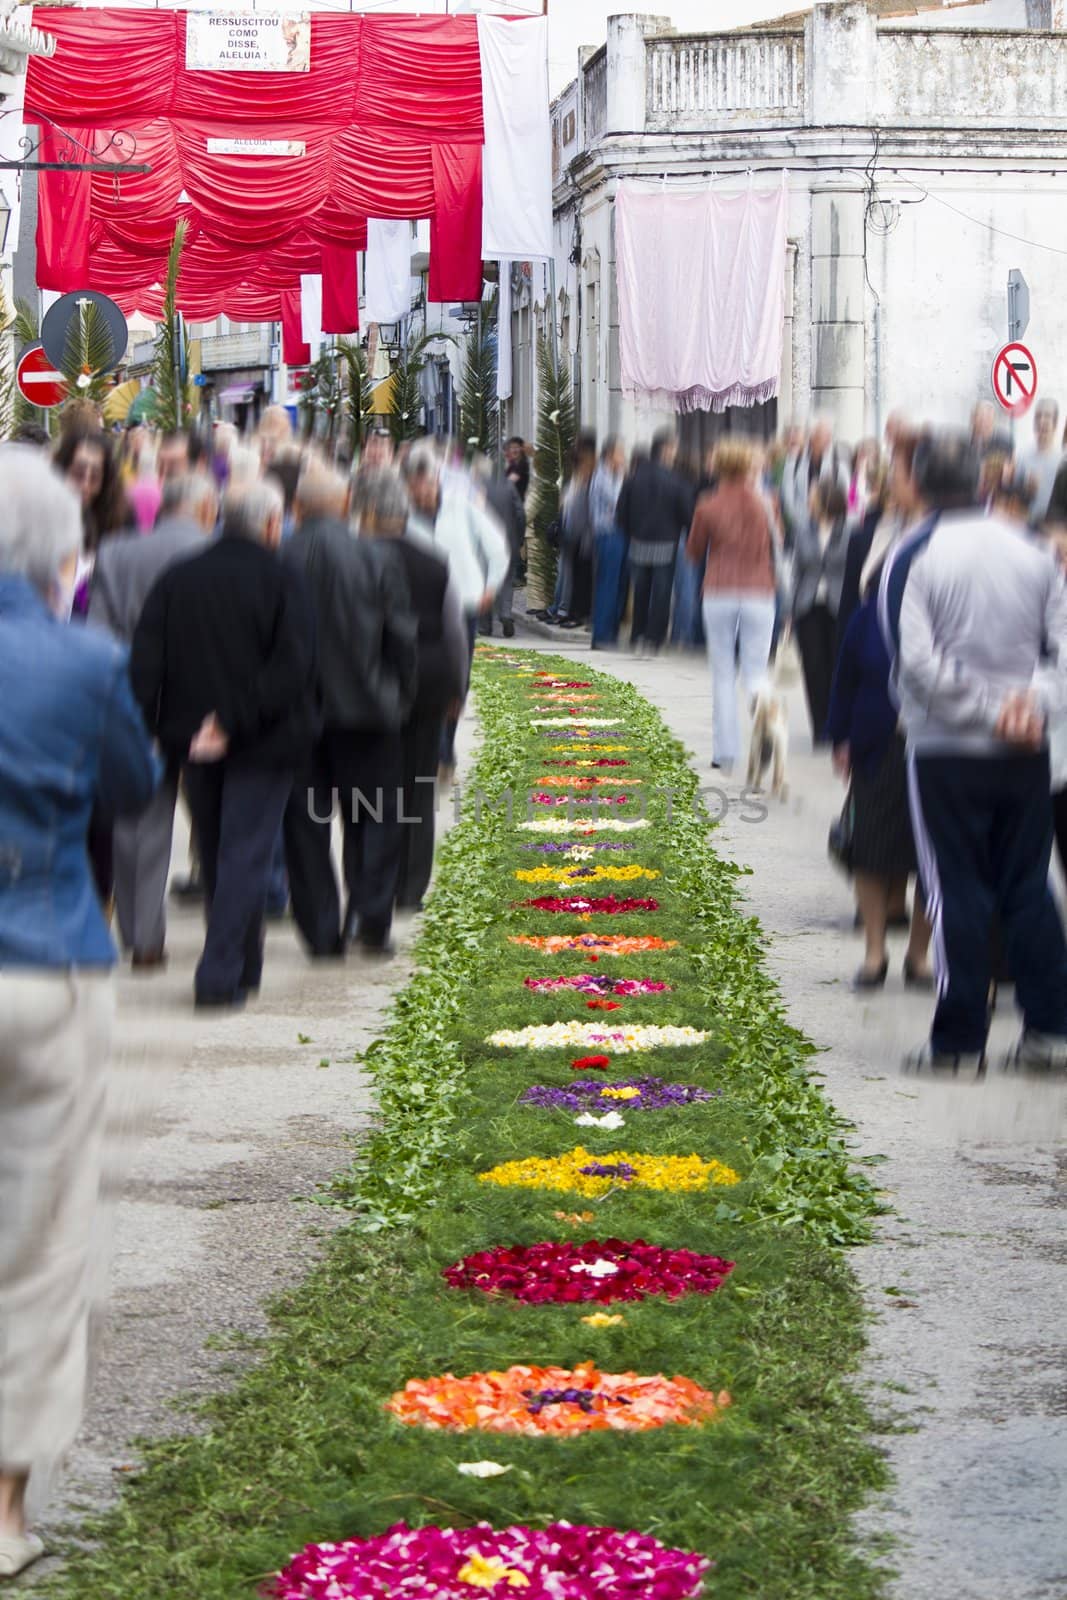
340	292
422	75
295	353
456	225
390	115
327	93
64	201
110	67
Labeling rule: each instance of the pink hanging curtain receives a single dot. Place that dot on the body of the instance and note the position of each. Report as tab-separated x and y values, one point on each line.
701	295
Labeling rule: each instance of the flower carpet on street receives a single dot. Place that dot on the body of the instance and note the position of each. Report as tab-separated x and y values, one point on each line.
585	875
585	722
631	1094
543	798
552	782
568	1035
579	1171
555	1401
600	905
559	1562
573	1273
579	825
509	1372
597	983
595	945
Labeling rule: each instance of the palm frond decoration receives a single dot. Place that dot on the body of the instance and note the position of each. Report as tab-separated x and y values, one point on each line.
479	411
406	390
23	330
322	399
172	401
359	395
87	352
557	431
8	389
27	324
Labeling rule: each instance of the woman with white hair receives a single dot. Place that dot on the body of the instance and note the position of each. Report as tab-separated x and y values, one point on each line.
71	738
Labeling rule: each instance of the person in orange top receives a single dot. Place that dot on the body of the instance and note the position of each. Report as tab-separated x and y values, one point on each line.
732	528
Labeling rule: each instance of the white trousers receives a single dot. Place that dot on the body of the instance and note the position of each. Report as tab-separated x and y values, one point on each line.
55	1035
736	626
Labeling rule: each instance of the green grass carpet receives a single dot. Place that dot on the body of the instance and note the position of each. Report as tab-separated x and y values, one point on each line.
303	1450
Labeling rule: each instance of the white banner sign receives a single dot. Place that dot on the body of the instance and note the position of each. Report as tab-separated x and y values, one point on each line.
256	147
247	43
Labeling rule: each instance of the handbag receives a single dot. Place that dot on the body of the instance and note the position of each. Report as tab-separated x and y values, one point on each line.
839	842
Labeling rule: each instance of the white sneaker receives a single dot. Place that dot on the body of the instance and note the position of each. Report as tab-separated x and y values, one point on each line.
17	1552
1044	1051
924	1058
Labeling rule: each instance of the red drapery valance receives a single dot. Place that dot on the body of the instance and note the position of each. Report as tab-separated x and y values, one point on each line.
389	118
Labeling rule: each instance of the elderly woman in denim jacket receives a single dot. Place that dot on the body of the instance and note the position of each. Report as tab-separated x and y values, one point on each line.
71	737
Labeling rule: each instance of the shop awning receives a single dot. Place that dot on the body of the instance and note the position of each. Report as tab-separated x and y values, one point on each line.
238	395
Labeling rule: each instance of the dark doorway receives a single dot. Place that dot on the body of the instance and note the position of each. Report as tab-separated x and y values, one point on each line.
699	430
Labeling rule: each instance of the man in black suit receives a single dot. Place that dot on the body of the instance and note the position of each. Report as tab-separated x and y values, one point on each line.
382	505
223	665
367	657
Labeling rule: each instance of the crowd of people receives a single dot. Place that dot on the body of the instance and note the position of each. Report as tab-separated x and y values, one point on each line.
920	582
241	629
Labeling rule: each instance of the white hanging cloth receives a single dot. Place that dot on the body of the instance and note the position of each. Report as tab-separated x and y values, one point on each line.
387	285
701	295
311	311
517	159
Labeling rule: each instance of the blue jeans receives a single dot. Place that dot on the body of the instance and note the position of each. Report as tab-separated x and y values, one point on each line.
688	582
735	624
611	579
561	600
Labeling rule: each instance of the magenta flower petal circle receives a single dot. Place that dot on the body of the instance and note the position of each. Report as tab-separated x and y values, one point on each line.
555	1272
560	1562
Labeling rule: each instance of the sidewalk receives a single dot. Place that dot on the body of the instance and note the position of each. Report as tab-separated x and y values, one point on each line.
968	1281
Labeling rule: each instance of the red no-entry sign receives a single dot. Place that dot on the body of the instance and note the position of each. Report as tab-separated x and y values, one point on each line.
38	380
1015	378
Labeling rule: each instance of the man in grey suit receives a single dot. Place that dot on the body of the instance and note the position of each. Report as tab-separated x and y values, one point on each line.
126	569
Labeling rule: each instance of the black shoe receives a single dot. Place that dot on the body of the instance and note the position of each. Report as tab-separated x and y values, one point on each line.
375	944
204	1000
865	979
191	888
571	622
507	627
540	616
913	979
333	952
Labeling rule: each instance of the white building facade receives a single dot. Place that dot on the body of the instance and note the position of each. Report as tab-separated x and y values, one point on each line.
922	163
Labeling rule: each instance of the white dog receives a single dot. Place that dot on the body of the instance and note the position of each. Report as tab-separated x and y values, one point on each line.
769	744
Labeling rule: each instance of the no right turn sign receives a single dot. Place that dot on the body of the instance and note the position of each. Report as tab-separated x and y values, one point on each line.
1014	379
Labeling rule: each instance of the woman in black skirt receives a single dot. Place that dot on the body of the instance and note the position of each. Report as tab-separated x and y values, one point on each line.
869	750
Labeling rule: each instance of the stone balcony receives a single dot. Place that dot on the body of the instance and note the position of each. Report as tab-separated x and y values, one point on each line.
842	69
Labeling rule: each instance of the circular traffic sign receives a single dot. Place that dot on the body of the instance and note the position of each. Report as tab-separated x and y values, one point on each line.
59	321
1014	378
39	381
